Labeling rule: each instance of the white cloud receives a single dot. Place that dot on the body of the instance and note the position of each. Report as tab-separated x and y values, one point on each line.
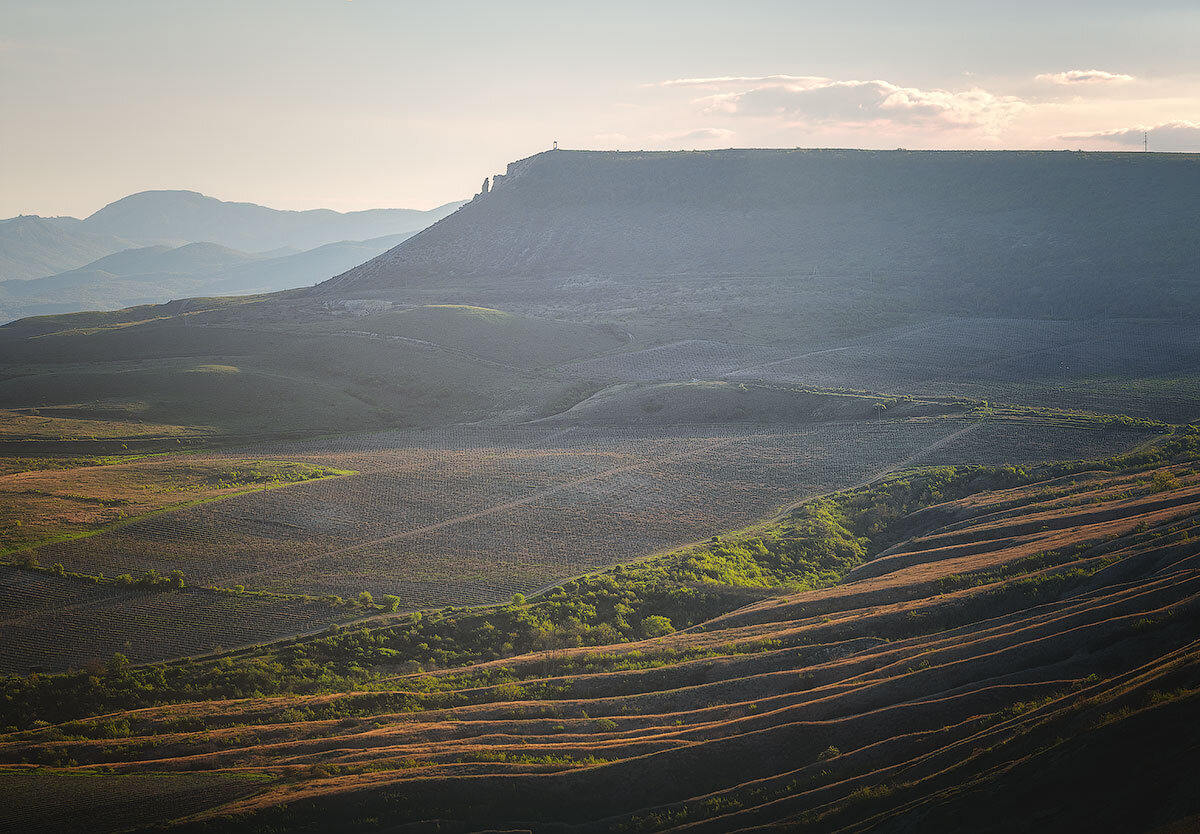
726	80
1092	76
1173	134
701	134
814	100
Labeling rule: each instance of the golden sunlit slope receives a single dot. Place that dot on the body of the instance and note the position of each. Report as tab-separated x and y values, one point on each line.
1025	646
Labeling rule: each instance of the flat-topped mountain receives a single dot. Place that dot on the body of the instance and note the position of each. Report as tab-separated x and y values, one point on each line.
1033	232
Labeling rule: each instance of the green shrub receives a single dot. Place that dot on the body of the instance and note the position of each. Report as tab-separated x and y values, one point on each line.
657	625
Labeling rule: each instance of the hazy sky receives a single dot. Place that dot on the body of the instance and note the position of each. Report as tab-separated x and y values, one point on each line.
355	104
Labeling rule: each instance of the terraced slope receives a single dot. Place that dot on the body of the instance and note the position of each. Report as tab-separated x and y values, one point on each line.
1011	647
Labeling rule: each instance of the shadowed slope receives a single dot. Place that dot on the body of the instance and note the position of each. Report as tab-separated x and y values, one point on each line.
944	227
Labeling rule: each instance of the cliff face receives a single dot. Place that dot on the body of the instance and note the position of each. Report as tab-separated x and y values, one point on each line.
991	222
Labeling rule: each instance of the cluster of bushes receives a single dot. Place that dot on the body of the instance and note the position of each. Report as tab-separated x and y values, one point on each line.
152	579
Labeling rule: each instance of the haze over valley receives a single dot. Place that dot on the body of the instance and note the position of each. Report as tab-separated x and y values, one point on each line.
159	245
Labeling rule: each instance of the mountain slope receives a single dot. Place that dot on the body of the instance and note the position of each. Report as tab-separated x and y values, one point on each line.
31	247
191	257
1013	232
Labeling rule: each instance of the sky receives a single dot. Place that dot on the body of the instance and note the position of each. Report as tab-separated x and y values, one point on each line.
355	104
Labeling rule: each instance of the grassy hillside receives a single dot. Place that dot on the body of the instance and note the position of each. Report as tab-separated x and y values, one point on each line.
494	335
237	370
672	403
901	656
42	505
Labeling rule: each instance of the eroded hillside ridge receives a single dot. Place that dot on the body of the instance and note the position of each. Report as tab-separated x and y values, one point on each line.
993	659
1018	231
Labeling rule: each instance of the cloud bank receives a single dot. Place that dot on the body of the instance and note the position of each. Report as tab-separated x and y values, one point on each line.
877	104
1092	76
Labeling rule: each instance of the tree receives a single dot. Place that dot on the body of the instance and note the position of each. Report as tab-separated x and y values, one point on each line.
518	599
118	664
656	626
365	599
391	602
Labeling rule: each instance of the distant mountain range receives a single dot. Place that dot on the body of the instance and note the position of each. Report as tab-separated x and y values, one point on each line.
164	216
153	274
158	245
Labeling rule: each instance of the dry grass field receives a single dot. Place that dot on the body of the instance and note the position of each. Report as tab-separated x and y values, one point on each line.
55	504
34	425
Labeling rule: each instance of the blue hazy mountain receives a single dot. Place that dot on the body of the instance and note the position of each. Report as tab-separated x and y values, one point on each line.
155	274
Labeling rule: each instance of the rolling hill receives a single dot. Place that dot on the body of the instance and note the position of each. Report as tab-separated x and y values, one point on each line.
985	642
